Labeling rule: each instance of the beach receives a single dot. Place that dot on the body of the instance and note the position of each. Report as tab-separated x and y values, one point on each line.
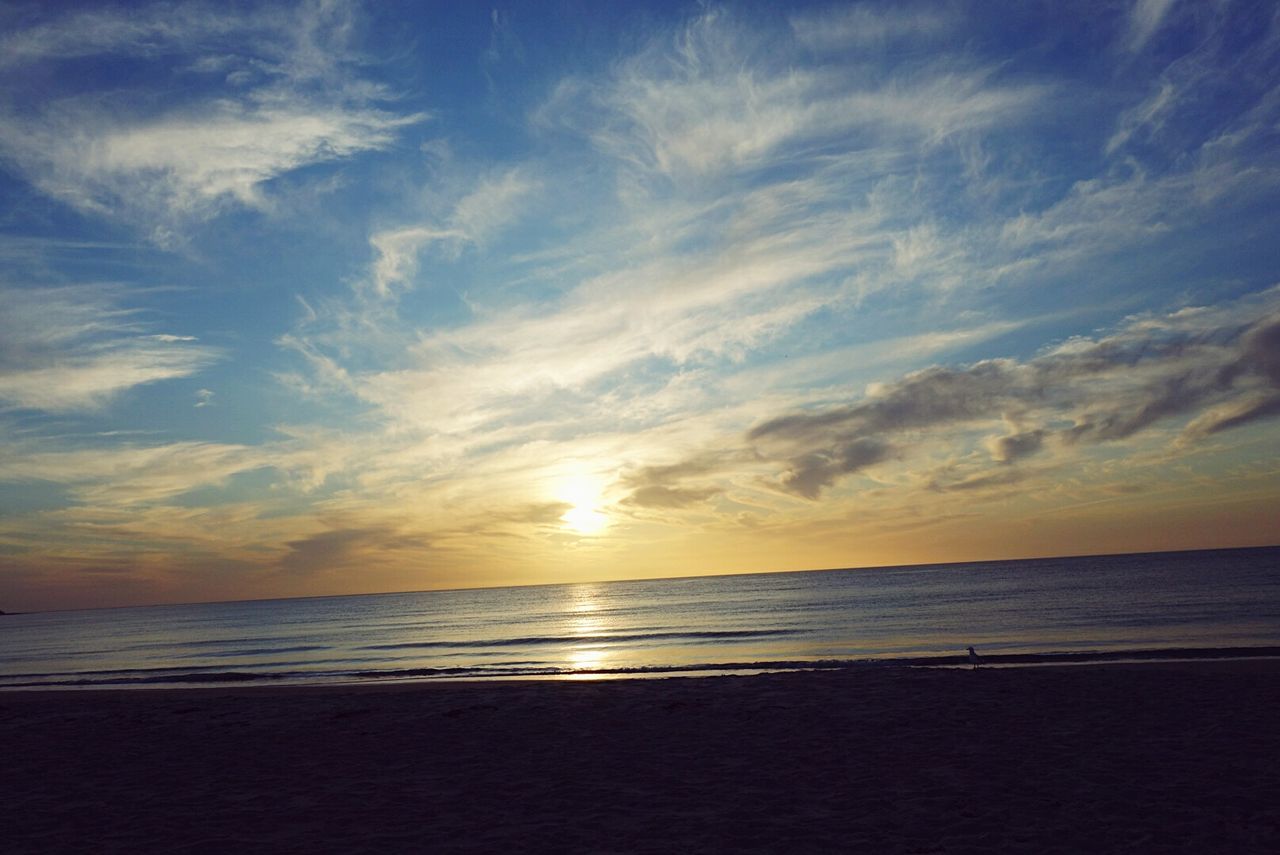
1156	757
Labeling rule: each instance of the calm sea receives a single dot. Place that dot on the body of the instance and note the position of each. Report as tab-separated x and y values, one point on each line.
1175	605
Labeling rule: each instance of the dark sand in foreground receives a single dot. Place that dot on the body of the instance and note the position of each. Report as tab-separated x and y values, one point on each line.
1150	758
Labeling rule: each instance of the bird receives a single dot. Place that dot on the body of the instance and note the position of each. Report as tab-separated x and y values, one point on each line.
974	659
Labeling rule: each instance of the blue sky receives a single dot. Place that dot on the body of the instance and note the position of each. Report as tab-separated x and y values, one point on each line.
334	297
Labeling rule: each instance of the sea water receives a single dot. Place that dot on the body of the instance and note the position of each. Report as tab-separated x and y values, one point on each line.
1180	604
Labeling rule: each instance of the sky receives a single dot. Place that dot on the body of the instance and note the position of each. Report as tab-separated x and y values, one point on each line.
330	297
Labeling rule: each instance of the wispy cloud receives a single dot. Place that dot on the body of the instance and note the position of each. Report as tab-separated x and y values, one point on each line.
675	282
692	108
153	31
277	103
75	348
1144	19
132	475
865	26
492	203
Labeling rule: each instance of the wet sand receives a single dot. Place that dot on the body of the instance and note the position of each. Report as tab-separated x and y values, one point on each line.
1156	757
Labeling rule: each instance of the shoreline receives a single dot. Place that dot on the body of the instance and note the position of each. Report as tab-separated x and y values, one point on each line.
1155	756
1263	663
1267	662
163	678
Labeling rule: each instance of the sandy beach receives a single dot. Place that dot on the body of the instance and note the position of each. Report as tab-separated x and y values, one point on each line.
1107	758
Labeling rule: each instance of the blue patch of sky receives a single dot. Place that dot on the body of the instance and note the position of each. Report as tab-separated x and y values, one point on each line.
32	496
240	487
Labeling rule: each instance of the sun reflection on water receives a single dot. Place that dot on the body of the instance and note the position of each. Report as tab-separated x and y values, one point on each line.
586	622
587	658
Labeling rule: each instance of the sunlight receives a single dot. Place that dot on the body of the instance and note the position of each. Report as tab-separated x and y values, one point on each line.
587	658
584	623
583	493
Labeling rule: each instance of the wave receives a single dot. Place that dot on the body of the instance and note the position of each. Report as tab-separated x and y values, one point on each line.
534	640
532	669
264	651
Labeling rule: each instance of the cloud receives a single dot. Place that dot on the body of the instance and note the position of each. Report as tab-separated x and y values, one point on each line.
809	473
344	548
863	26
1145	18
129	153
744	194
397	251
980	481
1011	447
297	43
75	348
922	399
191	166
153	30
132	475
490	205
1262	350
1233	415
803	198
656	496
1145	115
1083	391
660	487
747	189
721	98
1171	116
504	45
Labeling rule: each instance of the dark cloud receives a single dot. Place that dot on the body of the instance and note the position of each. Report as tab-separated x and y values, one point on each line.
925	398
657	496
121	566
341	547
1015	446
810	473
1217	366
980	481
1241	413
1121	416
1085	391
670	473
1124	489
1262	350
660	487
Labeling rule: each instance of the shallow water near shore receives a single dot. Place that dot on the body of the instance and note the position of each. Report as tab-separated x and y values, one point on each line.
1155	605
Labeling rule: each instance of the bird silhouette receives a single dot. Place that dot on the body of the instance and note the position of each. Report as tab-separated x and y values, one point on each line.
974	659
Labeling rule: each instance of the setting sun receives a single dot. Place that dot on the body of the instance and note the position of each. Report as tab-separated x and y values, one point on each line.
584	517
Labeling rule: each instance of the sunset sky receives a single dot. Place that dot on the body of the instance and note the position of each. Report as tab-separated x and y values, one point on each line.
338	297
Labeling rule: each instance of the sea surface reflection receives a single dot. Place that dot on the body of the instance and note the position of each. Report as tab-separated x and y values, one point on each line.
1090	605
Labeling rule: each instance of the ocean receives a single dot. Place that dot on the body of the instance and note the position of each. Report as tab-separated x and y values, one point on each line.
1217	603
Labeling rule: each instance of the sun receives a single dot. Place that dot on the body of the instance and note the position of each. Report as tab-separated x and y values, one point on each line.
585	520
582	494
